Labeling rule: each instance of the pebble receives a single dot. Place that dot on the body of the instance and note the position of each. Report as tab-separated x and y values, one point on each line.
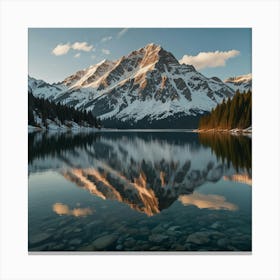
158	238
174	228
119	247
75	241
232	248
198	238
120	240
145	247
166	225
215	234
93	224
215	225
104	242
86	248
157	229
129	242
222	243
57	247
155	248
179	247
188	247
174	233
63	222
50	230
39	238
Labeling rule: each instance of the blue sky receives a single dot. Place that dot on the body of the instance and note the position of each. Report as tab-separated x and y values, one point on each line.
55	53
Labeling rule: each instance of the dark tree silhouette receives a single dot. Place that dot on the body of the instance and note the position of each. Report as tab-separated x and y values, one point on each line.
233	113
56	112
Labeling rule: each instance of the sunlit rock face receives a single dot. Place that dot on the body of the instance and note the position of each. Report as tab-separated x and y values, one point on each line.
146	173
241	83
147	88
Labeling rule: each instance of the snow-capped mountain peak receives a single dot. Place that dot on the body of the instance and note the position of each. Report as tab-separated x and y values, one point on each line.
241	83
147	85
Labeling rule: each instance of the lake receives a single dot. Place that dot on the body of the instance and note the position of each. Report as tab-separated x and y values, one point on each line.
139	191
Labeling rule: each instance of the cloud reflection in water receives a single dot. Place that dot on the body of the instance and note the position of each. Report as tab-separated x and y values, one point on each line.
63	209
210	201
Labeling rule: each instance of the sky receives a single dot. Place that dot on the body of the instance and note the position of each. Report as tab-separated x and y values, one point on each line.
56	53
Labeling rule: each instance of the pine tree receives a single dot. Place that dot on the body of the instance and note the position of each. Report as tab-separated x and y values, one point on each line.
233	113
56	111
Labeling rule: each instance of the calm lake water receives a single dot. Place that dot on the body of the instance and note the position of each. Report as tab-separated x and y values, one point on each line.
139	191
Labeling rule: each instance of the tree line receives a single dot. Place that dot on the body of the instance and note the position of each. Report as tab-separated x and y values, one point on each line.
47	109
233	113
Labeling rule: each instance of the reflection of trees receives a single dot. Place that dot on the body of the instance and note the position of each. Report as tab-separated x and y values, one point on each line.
235	150
44	144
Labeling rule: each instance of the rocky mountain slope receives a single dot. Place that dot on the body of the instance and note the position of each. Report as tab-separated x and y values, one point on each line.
147	88
241	83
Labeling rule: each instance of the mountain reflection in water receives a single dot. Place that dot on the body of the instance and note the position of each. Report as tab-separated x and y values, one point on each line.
147	171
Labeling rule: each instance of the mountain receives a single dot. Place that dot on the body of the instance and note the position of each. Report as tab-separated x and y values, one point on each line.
148	88
241	83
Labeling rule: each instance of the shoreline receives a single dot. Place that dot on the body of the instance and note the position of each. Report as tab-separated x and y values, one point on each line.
32	129
220	130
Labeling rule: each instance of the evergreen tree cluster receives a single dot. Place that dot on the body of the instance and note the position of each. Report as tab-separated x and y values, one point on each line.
233	113
55	111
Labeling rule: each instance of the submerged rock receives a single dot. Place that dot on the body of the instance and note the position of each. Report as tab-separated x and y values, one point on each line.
223	242
39	238
119	247
104	242
94	224
77	230
215	225
157	238
174	228
145	246
198	238
155	248
75	241
179	247
157	229
174	233
129	242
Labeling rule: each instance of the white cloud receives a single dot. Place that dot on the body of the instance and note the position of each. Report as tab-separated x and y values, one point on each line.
209	59
61	49
105	51
77	55
106	39
82	46
122	32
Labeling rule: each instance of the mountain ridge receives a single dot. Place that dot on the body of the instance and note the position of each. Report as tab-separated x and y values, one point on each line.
147	86
241	83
